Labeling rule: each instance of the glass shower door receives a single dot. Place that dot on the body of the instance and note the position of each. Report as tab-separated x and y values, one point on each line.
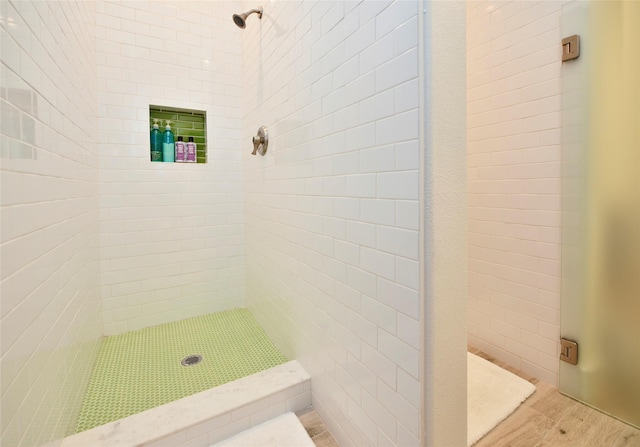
601	207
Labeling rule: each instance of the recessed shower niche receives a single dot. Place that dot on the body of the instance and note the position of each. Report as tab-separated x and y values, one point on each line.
184	123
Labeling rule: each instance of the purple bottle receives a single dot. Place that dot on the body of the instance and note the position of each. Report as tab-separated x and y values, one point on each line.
181	151
191	151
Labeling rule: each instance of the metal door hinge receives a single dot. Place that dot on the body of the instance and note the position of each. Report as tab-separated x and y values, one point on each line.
570	47
569	351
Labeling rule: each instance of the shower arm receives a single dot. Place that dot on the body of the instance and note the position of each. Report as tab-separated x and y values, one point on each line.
257	11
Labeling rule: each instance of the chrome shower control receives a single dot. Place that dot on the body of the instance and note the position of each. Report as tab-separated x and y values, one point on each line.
261	141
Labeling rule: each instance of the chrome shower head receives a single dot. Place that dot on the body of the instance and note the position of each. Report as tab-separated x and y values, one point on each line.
241	19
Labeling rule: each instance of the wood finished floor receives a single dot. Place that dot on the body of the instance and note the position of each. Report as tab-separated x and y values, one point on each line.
316	429
550	419
546	419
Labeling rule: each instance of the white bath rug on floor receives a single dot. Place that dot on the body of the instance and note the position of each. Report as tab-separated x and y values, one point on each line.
492	394
283	431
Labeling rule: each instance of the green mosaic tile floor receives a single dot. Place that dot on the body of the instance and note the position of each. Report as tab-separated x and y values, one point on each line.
140	370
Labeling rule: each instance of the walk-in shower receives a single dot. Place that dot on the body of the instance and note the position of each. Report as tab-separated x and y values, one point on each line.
319	239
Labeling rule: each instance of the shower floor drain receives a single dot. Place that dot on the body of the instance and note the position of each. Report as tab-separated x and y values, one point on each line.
191	360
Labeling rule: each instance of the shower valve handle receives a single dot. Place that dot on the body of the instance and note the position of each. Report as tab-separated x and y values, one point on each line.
260	141
257	141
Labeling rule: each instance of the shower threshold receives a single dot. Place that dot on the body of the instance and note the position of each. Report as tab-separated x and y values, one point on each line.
212	415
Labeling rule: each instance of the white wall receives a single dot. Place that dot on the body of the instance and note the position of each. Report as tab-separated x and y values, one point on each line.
514	104
444	184
171	234
50	302
332	210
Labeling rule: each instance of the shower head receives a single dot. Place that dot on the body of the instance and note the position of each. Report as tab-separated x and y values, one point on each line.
241	19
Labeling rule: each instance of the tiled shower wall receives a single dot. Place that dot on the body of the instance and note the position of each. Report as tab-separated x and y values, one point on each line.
49	203
332	209
171	233
513	56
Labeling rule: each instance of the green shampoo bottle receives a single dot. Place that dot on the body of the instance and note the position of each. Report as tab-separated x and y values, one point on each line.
168	144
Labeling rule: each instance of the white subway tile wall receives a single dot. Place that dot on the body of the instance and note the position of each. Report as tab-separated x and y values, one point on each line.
50	307
172	234
332	208
513	120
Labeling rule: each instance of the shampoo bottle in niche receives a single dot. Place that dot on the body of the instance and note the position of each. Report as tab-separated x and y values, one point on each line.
156	142
181	151
168	144
191	151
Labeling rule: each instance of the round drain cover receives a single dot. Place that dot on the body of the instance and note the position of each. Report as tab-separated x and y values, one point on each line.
191	360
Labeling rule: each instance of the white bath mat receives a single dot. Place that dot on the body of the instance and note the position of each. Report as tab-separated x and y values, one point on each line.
492	394
283	431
